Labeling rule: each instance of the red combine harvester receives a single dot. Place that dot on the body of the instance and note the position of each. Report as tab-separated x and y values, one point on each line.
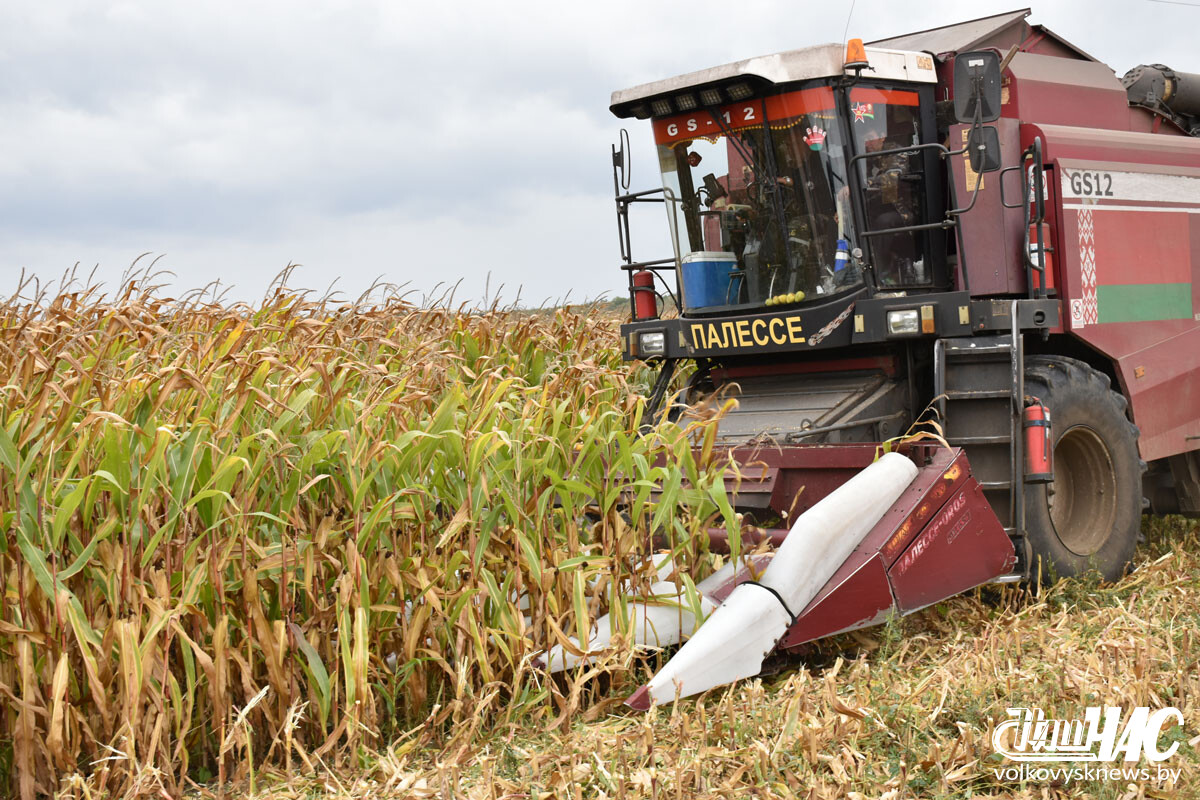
981	217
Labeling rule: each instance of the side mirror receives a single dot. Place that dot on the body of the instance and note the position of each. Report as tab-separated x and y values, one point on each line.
983	149
977	86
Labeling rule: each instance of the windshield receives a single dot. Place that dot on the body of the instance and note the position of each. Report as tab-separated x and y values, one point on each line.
761	211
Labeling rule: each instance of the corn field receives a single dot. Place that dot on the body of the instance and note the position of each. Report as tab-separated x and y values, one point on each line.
234	536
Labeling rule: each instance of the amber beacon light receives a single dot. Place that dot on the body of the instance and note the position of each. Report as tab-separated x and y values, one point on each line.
856	55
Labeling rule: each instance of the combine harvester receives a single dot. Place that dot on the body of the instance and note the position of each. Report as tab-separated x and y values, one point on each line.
980	216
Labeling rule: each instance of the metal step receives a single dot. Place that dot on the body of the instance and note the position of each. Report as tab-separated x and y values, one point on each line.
994	353
977	394
960	348
969	342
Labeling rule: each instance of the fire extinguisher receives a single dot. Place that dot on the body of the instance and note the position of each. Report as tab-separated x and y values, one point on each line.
645	301
1044	250
1039	447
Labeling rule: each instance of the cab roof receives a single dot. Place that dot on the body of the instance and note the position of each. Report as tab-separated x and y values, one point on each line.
820	61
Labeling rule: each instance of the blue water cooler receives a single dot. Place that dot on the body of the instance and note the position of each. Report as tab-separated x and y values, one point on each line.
709	278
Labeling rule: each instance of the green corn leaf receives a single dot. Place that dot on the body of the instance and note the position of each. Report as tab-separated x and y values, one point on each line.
66	508
10	459
85	555
35	557
110	479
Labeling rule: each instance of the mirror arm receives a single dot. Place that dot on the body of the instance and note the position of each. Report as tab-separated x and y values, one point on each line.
956	212
976	125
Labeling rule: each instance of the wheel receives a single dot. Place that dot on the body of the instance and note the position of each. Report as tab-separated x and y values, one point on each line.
1089	517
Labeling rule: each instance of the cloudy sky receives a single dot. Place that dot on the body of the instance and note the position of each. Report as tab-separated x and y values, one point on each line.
420	142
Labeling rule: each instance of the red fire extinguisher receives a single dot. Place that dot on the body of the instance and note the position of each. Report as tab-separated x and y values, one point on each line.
1044	249
645	302
1039	447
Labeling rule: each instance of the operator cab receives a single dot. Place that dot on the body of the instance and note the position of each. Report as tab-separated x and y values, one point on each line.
756	161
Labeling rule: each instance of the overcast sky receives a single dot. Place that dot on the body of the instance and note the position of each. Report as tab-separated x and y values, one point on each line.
422	142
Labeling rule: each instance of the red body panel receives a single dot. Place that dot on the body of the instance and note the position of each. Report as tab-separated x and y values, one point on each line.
963	547
1123	209
859	600
1064	91
1129	271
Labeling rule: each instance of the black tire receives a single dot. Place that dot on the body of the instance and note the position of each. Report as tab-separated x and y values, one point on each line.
1090	516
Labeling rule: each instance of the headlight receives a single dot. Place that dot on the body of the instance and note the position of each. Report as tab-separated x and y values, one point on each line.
904	321
652	344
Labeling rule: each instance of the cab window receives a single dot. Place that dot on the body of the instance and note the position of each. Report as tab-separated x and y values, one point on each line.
889	119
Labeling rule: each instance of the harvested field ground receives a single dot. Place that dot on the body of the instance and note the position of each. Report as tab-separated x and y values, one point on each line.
277	550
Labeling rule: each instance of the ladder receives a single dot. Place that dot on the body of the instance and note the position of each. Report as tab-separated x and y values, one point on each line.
979	383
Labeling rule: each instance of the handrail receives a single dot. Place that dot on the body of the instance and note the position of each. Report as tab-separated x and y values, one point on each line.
651	265
1017	450
623	198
